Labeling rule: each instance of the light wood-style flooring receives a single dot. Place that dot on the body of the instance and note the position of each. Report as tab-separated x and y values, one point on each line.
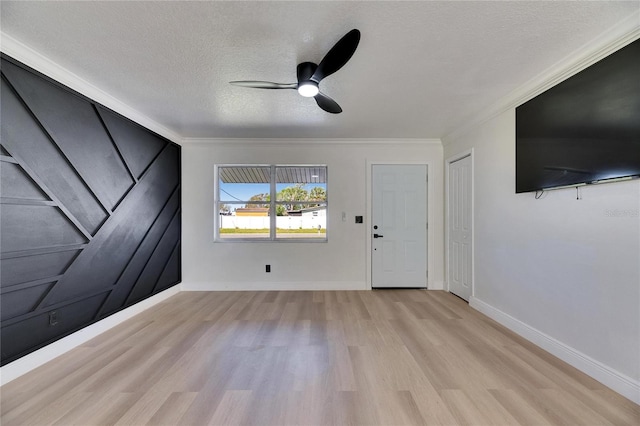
401	357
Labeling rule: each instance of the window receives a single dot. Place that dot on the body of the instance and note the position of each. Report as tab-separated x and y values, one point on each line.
271	203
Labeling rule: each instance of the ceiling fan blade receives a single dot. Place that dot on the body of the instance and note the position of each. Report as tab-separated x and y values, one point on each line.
264	84
339	54
327	104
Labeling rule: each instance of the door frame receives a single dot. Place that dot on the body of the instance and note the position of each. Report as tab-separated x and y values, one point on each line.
447	219
368	224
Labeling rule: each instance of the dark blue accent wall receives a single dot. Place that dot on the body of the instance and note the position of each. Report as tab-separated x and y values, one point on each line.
89	211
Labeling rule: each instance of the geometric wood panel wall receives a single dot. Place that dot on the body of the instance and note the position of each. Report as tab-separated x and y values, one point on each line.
89	211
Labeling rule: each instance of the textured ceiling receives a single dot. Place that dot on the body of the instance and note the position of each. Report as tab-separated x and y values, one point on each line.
421	70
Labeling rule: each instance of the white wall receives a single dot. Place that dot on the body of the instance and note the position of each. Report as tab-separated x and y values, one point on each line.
340	263
559	270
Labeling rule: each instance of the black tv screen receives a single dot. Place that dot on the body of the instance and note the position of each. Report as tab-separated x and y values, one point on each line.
584	130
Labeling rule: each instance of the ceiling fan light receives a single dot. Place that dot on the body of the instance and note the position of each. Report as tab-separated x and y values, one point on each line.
308	89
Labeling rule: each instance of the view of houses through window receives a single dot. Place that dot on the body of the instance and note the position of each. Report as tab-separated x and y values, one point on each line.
272	202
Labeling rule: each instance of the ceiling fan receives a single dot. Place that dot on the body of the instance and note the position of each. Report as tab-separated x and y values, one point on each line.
310	74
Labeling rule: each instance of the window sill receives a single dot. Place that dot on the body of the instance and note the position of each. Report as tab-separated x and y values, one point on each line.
267	240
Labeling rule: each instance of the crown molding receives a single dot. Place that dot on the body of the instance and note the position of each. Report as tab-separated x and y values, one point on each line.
25	54
309	141
622	34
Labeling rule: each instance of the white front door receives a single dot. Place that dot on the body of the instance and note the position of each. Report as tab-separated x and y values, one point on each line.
460	243
399	226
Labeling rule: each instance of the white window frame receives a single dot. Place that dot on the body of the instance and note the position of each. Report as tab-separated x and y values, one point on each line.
273	203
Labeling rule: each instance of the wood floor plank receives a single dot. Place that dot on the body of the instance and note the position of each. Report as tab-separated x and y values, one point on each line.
519	408
400	408
143	409
386	357
465	410
50	386
172	409
232	409
98	409
432	407
54	411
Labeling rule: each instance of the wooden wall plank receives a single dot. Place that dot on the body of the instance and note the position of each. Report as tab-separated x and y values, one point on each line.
14	183
134	268
31	227
153	269
122	233
90	204
75	127
23	137
20	302
29	268
20	338
138	146
172	270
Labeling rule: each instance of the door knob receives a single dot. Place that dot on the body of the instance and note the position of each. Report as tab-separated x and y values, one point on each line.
377	236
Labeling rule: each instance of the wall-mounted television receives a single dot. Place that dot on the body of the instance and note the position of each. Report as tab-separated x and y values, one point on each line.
585	129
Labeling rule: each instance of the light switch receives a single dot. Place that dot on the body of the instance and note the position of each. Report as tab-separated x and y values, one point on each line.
344	216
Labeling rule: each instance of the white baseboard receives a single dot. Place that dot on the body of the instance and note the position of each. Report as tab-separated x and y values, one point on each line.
624	385
43	355
273	286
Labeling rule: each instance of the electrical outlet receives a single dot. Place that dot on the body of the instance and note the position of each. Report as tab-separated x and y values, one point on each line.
53	318
267	268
